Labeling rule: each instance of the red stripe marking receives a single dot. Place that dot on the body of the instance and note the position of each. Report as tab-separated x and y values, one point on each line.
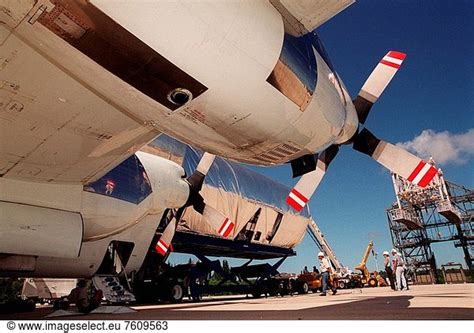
428	177
229	230
416	171
296	206
391	64
163	243
299	195
223	225
397	55
159	249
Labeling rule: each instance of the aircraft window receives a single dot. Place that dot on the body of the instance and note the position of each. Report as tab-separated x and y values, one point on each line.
295	73
128	181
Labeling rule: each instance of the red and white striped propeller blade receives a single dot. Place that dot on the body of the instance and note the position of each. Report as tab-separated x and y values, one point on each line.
306	186
304	189
396	159
164	243
376	83
218	221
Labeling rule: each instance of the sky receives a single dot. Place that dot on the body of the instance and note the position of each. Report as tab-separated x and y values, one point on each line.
428	108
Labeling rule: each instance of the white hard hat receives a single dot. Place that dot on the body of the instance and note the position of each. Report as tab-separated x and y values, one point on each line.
385	253
320	254
394	251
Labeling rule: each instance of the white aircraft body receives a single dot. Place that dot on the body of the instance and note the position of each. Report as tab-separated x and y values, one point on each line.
85	84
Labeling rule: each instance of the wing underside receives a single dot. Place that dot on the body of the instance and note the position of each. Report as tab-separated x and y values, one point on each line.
306	15
55	128
55	125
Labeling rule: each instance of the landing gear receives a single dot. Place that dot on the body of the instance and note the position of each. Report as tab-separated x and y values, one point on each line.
175	293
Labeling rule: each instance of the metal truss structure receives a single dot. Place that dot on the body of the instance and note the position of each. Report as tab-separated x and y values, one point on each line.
441	212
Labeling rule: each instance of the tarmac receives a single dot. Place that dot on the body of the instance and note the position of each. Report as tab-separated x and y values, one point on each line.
426	302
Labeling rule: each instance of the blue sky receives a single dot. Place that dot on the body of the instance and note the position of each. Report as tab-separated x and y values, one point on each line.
434	89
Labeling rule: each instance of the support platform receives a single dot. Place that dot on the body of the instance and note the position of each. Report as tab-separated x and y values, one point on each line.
194	243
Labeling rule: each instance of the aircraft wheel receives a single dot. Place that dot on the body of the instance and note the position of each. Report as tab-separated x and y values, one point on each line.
257	292
176	293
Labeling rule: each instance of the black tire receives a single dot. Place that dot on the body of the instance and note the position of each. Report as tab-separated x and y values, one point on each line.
257	291
341	284
372	283
304	288
175	293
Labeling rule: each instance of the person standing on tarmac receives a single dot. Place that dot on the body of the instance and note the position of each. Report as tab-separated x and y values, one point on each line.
326	270
399	269
388	269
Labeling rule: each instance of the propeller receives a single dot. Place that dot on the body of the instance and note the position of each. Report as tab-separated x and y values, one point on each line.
218	221
394	158
304	189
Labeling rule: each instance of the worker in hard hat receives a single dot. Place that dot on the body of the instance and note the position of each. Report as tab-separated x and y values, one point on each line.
399	269
326	270
388	269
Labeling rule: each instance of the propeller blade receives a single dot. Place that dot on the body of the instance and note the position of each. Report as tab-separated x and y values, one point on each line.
197	178
218	221
377	82
396	159
164	243
205	163
306	186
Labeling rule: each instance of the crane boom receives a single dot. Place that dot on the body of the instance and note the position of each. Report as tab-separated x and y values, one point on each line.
363	263
321	242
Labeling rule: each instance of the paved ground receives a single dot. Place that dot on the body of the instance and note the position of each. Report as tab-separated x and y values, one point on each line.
420	302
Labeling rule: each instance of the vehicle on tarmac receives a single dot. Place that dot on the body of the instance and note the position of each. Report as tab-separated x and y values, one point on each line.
310	282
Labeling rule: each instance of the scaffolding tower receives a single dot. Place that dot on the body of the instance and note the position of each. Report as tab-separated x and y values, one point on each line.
441	212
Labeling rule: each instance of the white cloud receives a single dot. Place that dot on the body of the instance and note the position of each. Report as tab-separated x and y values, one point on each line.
445	147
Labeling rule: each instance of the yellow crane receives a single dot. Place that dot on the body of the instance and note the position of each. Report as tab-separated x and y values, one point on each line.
374	279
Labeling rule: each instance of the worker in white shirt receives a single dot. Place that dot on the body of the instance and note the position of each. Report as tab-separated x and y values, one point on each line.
399	269
326	270
388	269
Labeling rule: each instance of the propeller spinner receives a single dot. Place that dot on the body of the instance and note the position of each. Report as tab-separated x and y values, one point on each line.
218	221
